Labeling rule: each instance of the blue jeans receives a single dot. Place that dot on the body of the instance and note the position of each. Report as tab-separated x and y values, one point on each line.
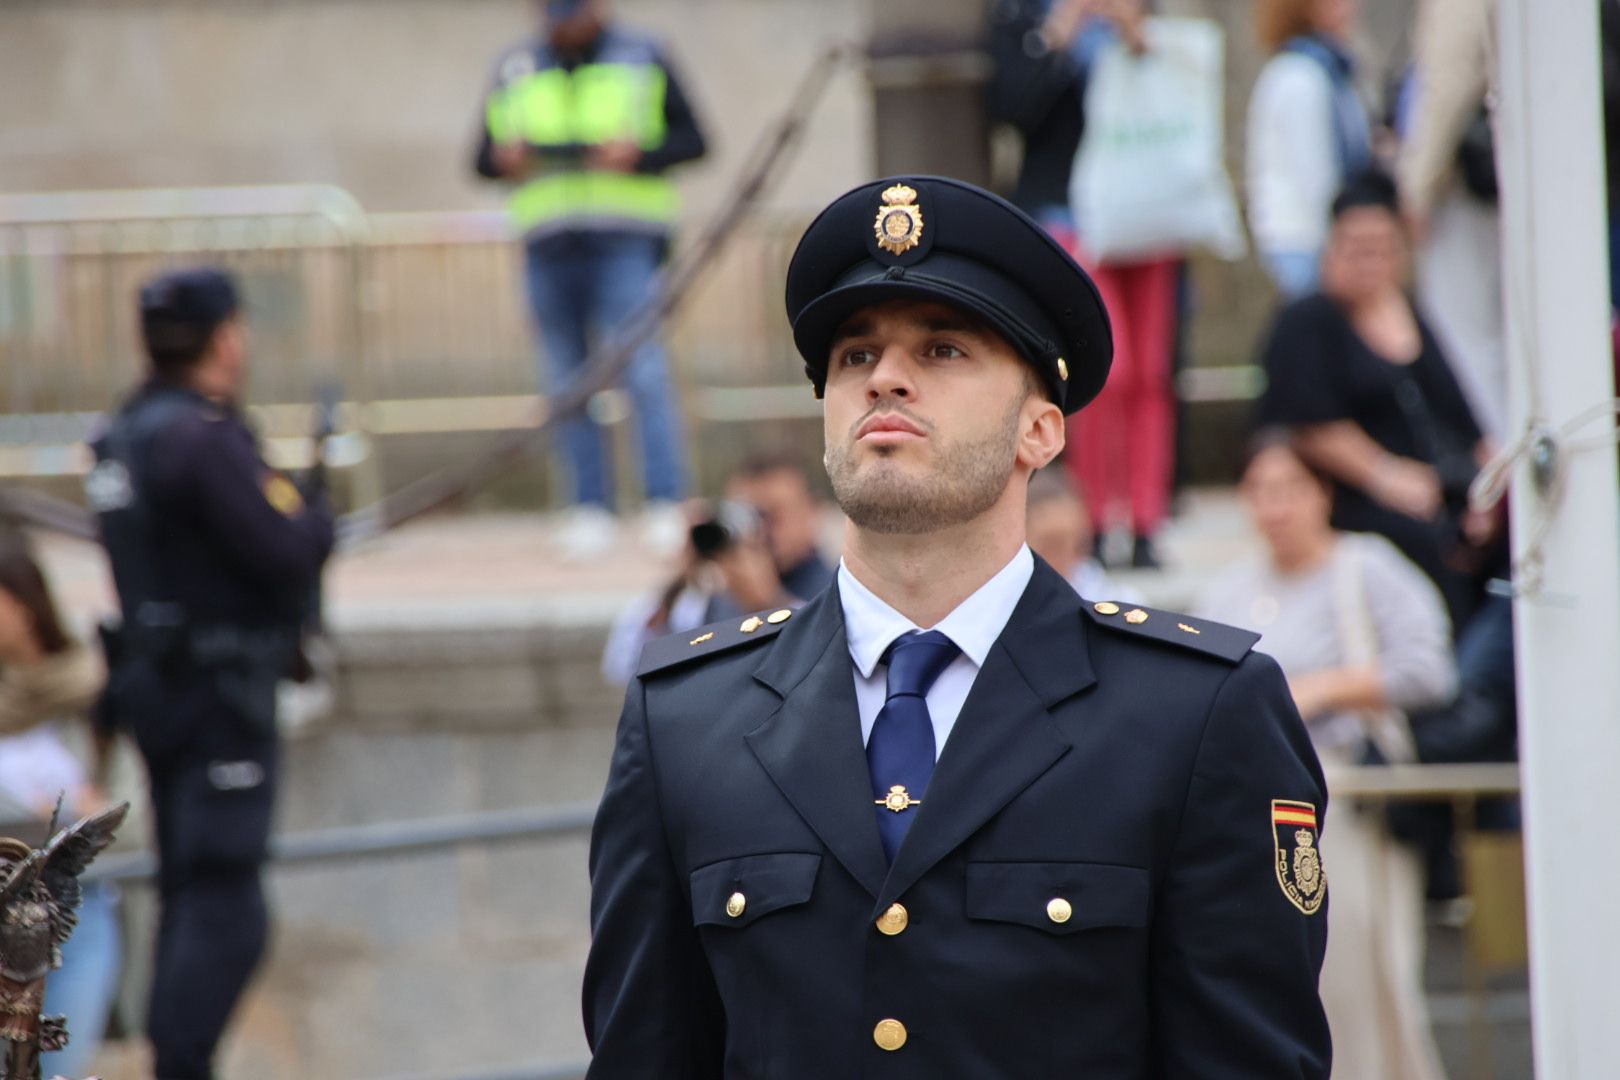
583	286
82	988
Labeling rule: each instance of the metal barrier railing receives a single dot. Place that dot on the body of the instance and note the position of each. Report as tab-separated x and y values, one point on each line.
385	838
419	318
1460	785
70	265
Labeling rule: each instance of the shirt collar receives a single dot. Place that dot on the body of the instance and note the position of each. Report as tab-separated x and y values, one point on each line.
871	625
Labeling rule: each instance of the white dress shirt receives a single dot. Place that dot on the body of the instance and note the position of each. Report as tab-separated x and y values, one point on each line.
872	626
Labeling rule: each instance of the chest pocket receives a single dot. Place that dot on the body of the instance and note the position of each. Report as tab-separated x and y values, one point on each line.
1059	898
738	892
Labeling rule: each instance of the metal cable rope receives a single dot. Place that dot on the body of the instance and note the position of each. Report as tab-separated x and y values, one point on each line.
602	369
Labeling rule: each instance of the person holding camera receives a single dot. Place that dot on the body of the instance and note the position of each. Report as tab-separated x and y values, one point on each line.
754	549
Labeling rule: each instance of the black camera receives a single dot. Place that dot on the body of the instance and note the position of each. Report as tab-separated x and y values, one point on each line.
728	525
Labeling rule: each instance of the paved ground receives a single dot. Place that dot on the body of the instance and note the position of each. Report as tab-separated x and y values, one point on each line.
493	570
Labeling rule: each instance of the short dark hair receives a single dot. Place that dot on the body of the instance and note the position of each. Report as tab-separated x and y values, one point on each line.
175	347
1279	437
1372	188
20	576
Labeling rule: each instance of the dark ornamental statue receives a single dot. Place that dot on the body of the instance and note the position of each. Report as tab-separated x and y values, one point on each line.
39	903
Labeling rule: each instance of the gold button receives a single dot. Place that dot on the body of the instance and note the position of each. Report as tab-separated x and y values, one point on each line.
1059	910
736	905
1136	616
1107	607
781	616
1063	369
894	920
889	1034
750	624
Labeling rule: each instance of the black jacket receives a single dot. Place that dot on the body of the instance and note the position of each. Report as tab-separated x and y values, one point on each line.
1127	768
1040	94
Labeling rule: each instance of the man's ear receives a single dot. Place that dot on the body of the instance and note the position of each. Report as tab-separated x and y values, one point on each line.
1043	435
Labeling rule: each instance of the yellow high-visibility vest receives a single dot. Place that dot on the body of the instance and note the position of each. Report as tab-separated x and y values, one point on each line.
619	96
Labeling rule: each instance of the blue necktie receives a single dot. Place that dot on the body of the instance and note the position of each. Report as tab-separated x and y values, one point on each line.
900	751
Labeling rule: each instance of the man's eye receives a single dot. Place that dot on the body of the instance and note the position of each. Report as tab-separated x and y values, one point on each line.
945	350
857	357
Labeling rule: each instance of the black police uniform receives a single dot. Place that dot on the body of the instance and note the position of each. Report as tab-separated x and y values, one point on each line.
215	557
1113	872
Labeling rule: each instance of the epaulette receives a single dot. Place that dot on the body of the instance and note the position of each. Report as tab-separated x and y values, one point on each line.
1200	635
674	650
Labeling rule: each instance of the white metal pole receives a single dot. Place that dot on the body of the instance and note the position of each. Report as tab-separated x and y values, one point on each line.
1550	155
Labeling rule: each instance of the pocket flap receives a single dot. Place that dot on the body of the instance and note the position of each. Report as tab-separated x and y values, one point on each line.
1059	898
735	892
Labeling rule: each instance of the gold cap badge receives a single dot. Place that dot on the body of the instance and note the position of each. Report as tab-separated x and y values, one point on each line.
899	224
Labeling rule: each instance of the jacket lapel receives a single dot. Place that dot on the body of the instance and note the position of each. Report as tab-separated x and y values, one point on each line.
1005	737
811	746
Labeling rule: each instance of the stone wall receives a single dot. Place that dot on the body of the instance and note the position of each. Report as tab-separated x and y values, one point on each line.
381	97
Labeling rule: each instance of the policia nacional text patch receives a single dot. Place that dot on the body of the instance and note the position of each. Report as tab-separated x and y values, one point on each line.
1299	860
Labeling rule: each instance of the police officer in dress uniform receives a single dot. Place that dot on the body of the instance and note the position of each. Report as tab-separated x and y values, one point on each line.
215	556
951	820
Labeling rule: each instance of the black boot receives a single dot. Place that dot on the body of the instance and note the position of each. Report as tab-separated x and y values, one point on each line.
1143	557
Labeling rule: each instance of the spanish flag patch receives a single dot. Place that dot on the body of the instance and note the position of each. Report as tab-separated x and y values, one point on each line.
1299	860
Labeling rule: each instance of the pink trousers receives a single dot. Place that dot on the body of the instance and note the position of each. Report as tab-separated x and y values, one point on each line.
1122	446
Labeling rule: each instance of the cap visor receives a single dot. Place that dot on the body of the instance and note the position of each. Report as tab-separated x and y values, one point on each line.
821	320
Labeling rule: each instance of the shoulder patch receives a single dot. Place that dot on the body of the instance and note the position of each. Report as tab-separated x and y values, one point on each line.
675	650
282	494
1200	635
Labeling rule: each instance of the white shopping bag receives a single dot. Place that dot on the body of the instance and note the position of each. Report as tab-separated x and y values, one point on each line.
1149	178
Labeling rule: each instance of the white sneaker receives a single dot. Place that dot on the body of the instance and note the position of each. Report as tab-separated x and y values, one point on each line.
587	532
664	527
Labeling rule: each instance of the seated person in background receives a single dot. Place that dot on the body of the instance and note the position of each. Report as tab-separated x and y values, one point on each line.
757	548
1058	525
49	684
1360	634
1358	377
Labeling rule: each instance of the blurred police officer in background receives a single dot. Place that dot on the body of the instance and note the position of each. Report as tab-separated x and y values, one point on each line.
758	547
216	557
583	124
949	820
